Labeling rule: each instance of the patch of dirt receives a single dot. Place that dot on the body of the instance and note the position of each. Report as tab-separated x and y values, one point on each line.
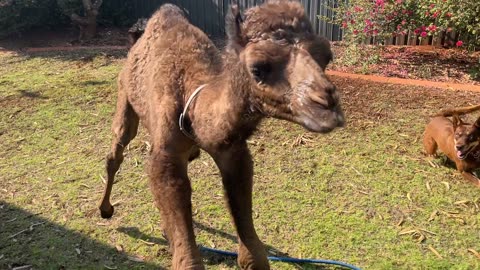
413	62
385	100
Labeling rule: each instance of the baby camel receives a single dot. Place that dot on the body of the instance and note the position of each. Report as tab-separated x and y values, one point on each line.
274	65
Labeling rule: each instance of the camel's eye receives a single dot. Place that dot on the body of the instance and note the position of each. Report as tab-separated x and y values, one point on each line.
260	71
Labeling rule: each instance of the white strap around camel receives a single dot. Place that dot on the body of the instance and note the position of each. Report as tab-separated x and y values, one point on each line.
185	109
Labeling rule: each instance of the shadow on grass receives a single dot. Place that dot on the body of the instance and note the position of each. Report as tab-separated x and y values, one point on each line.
213	258
31	94
29	240
84	56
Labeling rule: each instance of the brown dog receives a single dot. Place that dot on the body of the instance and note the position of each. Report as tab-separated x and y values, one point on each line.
459	141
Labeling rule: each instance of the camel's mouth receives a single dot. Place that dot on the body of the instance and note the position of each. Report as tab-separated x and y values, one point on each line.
322	120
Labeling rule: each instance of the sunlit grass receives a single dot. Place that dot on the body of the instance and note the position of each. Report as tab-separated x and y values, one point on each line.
363	194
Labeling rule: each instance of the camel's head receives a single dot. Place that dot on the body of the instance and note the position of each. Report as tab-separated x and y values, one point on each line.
286	64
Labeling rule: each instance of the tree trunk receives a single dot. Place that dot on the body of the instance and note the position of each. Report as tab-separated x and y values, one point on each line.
88	23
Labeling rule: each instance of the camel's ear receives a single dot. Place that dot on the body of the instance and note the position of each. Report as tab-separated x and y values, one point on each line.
233	22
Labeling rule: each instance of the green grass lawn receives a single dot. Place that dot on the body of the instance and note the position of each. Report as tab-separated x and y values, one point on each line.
363	194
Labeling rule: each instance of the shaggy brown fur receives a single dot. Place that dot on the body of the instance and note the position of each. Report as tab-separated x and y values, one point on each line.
458	111
459	141
273	66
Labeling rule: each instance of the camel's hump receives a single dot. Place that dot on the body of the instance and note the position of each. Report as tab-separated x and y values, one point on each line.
167	16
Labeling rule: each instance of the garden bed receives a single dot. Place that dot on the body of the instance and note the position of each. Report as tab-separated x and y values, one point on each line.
411	62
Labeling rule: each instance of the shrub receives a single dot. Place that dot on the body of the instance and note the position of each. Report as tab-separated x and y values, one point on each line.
18	15
361	19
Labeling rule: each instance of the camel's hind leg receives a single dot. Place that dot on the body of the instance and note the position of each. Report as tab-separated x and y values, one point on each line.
125	126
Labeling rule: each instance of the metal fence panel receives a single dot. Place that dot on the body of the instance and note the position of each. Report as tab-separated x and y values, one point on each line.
209	15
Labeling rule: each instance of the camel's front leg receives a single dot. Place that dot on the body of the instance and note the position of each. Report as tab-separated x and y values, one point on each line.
236	167
172	192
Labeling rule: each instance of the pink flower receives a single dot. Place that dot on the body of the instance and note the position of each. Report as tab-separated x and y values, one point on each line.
417	31
423	28
404	22
352	21
358	9
375	32
432	5
423	34
459	43
432	28
368	22
399	27
344	24
355	32
399	1
435	15
380	2
449	29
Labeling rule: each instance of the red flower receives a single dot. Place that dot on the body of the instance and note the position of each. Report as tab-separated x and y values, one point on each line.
355	32
417	31
435	15
432	28
459	43
423	34
449	14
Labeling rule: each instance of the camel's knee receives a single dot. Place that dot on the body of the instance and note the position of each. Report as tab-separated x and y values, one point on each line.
125	122
113	161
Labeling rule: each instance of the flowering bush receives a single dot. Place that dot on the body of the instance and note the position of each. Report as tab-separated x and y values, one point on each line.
382	19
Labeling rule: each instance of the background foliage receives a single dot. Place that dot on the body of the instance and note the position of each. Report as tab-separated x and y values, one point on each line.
383	19
17	16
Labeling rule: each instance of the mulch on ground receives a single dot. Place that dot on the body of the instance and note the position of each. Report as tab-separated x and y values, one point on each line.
413	62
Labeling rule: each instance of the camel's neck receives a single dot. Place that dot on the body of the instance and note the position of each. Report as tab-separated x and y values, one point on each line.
223	112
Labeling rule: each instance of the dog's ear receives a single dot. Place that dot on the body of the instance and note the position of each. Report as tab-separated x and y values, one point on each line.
456	121
477	123
233	28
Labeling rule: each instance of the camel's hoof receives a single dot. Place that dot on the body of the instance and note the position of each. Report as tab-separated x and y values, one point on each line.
106	213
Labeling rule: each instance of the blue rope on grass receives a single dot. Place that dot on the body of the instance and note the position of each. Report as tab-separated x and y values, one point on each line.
284	259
